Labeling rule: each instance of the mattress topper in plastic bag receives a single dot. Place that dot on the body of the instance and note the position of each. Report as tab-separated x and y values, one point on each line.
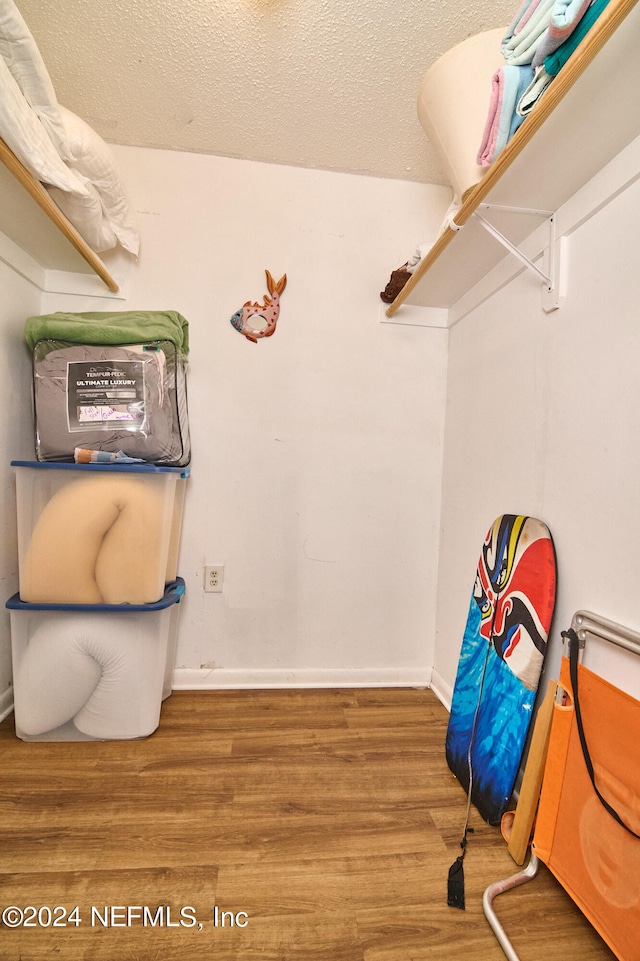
129	398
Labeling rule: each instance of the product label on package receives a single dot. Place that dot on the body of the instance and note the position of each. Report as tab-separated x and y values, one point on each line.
105	395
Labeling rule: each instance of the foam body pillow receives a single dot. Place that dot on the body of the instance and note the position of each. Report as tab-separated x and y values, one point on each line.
103	671
98	540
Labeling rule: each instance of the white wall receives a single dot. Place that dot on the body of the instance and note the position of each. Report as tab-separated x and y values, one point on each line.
19	300
317	454
542	418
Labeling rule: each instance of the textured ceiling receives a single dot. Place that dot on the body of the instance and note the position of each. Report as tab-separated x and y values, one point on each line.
330	84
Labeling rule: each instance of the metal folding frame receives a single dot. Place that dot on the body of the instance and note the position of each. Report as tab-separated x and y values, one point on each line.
583	623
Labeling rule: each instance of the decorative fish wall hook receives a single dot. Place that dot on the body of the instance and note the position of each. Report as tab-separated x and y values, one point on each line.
268	311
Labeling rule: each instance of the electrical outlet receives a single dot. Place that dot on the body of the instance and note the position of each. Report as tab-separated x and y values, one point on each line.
213	577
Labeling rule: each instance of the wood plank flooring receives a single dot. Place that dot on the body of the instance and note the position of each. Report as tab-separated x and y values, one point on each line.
321	824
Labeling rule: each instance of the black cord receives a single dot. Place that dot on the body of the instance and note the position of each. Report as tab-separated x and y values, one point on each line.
574	646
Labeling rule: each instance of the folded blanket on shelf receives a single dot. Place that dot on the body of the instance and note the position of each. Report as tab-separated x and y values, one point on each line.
530	96
565	17
103	328
519	20
540	27
555	61
521	47
541	38
507	86
527	14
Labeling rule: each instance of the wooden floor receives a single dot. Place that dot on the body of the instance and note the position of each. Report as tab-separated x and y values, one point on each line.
322	823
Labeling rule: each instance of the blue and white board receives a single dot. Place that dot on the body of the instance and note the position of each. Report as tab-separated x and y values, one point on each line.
502	656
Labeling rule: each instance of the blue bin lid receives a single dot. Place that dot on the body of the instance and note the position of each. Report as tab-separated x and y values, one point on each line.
129	468
173	594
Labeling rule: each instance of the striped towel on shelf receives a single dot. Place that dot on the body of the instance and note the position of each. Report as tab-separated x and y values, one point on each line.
507	86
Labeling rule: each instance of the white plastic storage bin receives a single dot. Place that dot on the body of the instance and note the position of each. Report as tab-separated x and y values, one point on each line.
94	671
97	533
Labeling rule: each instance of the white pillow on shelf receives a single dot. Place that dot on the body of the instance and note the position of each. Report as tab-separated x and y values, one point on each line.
24	134
20	53
87	216
103	217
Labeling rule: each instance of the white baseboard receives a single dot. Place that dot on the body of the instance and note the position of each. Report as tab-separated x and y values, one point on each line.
218	679
6	703
442	690
193	679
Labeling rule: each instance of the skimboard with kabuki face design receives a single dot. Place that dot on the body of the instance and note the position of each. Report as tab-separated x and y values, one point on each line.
502	655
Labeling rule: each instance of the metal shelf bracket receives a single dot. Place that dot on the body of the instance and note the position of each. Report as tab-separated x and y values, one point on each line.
553	279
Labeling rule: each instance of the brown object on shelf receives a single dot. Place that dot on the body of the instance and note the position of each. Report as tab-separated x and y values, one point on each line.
397	281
